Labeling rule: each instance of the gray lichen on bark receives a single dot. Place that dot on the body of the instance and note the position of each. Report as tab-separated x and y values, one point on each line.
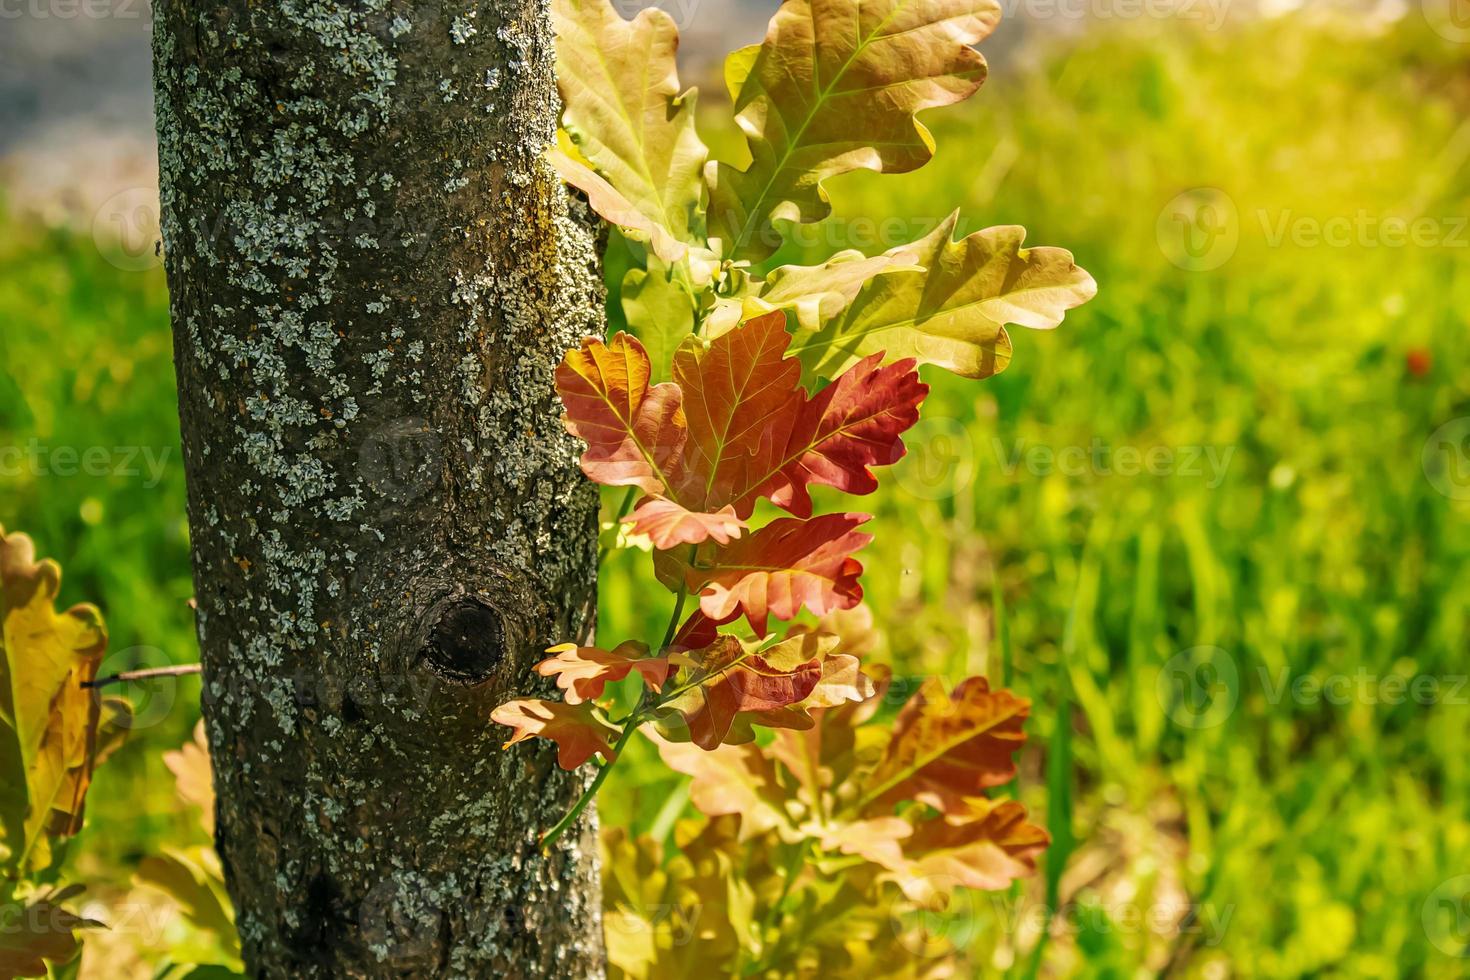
373	274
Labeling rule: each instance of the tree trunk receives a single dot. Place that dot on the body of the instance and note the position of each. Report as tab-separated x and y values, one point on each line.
373	275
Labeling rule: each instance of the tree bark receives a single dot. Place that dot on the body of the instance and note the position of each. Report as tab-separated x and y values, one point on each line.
373	275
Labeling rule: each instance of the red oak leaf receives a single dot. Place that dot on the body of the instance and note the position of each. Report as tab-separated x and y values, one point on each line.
577	732
728	679
698	631
669	524
785	566
583	673
842	681
853	423
634	434
759	434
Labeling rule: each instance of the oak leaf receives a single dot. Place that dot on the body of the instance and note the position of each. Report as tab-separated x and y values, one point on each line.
730	780
817	293
875	839
583	673
194	879
625	111
634	433
850	425
950	304
39	931
946	750
987	847
659	308
740	395
835	87
788	565
669	524
577	731
854	627
52	730
735	425
842	682
669	918
727	679
194	776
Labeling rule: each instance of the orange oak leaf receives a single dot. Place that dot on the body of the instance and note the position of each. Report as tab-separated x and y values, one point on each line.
194	776
987	847
669	524
735	425
730	780
742	395
39	932
946	750
576	730
841	682
634	433
759	434
788	565
728	679
584	672
878	839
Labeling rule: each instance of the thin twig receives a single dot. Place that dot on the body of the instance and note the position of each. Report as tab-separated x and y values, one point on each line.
180	670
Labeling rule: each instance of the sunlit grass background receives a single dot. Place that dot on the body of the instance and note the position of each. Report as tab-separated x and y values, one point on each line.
1170	626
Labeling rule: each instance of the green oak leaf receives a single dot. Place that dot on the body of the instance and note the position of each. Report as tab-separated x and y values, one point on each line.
660	312
817	293
835	87
631	124
948	304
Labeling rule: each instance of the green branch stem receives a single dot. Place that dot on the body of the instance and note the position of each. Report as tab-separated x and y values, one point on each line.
623	509
549	838
638	717
674	619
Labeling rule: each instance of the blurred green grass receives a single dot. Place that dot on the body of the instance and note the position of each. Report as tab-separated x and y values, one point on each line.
1308	834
